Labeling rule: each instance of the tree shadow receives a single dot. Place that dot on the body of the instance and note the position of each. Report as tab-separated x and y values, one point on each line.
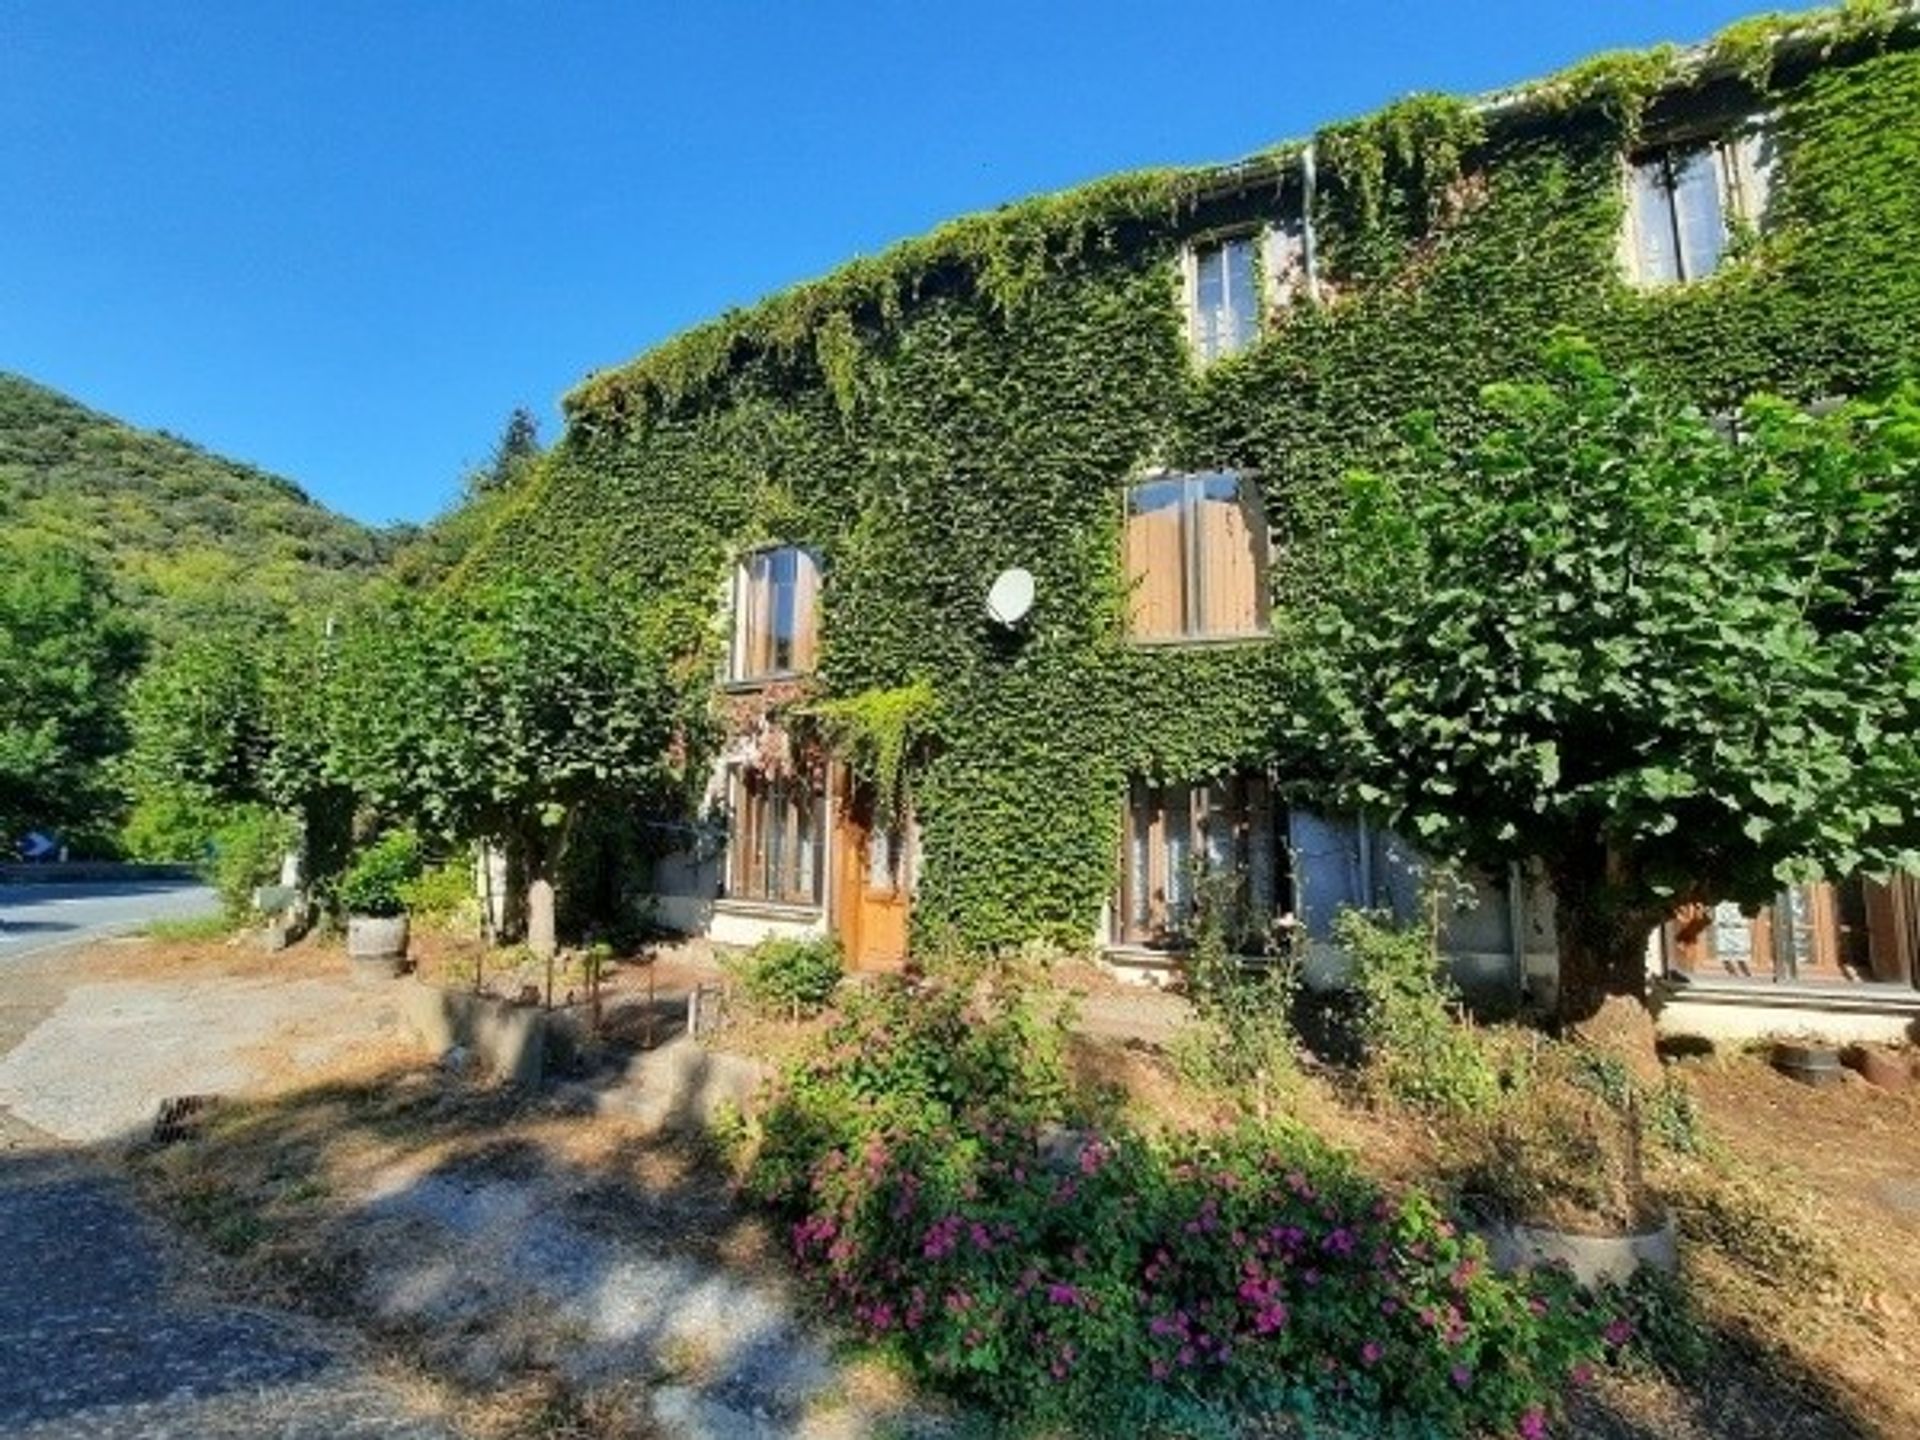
498	1242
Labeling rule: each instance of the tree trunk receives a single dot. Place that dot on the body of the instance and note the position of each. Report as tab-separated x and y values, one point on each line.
1602	934
542	936
545	849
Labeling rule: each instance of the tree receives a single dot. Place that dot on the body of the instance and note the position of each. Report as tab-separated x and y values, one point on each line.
513	456
1666	660
501	714
233	718
66	651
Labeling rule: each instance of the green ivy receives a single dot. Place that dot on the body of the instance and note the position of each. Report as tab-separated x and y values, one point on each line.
978	398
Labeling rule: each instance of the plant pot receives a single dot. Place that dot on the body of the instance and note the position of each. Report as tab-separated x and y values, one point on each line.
1810	1064
376	945
1512	1245
1889	1069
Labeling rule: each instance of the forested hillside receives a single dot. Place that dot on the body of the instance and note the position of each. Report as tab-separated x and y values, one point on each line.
186	537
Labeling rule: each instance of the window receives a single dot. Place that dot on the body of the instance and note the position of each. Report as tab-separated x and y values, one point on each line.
1853	931
1177	833
1196	557
1683	202
774	615
1223	296
775	850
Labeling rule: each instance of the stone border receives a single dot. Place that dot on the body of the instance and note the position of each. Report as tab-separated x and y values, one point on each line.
1592	1258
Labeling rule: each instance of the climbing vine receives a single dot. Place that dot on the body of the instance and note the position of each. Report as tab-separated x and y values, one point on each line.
978	397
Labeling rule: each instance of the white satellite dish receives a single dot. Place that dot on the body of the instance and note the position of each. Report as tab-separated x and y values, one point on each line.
1011	596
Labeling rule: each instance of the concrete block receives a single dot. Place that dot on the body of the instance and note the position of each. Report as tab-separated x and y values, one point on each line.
510	1040
683	1084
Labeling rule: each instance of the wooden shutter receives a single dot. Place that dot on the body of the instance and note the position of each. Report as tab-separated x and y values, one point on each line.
1893	928
760	615
1227	557
1156	570
806	590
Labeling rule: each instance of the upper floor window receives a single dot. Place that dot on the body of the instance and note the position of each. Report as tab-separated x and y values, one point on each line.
1223	295
1685	201
1196	557
774	614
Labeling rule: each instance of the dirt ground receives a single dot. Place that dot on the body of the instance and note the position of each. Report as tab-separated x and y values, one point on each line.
514	1249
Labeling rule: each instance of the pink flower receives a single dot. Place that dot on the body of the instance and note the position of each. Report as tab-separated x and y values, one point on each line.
1462	1376
1063	1294
1533	1424
1618	1332
1371	1352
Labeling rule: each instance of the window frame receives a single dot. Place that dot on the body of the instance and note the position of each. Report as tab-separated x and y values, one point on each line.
1250	499
1160	919
804	645
751	876
1192	256
1742	166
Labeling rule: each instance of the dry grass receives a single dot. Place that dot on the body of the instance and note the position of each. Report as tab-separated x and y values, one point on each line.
1801	1215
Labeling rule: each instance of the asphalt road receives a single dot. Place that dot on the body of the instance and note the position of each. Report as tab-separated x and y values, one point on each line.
40	917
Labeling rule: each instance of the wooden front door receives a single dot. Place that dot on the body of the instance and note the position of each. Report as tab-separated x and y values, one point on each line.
874	882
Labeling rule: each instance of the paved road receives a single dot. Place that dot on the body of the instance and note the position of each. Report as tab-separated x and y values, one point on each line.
105	1331
40	917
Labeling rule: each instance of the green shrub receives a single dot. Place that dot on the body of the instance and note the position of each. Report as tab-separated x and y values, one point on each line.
1244	1044
376	880
1418	1048
167	828
790	976
443	893
247	853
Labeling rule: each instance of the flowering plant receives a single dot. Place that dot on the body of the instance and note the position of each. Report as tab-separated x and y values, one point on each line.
919	1160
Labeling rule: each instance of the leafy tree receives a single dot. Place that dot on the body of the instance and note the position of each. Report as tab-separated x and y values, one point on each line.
502	714
232	719
66	651
1665	659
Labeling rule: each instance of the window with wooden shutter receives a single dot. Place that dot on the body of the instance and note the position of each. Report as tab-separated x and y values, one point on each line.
776	595
1196	557
1176	834
1853	931
775	849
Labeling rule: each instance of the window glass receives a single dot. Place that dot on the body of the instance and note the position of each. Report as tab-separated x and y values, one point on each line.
1696	208
1679	207
1656	251
1226	302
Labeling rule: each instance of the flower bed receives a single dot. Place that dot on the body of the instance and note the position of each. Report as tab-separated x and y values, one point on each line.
1132	1280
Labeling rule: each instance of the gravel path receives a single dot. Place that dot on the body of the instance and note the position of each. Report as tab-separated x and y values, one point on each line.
99	1339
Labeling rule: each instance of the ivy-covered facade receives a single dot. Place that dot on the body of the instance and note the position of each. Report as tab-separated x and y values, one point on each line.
814	496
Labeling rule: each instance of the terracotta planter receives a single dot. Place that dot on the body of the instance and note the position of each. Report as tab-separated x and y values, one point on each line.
1592	1258
1888	1069
376	945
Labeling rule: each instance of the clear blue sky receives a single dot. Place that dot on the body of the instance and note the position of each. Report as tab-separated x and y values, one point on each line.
343	238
